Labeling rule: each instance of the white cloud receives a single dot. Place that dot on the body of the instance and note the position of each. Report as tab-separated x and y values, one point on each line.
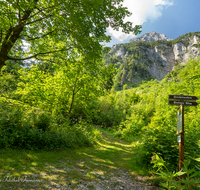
141	11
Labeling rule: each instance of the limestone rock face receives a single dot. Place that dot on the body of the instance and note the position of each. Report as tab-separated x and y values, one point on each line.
183	52
150	37
158	53
121	51
162	58
114	48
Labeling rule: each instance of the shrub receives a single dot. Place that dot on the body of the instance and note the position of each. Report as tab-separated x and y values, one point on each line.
25	127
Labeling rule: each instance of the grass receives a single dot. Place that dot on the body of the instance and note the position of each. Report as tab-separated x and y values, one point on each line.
44	170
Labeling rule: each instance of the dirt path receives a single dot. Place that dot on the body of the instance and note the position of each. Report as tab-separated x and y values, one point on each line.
104	169
95	168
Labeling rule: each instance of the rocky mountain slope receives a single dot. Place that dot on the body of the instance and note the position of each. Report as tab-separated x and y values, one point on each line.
150	37
152	55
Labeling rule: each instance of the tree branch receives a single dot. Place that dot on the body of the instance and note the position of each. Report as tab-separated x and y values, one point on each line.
46	16
36	20
35	56
30	39
41	11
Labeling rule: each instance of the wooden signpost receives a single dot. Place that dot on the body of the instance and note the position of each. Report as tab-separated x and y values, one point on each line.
182	101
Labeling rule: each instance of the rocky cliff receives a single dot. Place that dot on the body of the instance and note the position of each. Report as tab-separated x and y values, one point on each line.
150	37
152	55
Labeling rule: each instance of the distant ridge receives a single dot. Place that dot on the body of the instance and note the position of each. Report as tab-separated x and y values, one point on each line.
150	37
153	56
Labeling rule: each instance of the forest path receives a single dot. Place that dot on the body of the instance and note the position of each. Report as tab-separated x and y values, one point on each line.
108	165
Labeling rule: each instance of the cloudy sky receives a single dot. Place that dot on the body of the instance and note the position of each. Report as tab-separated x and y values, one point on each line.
170	17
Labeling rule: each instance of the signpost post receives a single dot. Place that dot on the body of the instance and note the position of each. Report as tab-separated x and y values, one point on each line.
182	101
180	131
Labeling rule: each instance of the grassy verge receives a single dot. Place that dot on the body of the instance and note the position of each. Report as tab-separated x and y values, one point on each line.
45	170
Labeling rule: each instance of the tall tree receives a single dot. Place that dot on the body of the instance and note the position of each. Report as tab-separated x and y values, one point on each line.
53	26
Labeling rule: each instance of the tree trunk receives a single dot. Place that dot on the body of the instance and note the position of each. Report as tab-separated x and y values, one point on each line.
3	59
12	35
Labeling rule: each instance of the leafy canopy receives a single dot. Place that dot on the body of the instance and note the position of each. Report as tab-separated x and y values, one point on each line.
54	26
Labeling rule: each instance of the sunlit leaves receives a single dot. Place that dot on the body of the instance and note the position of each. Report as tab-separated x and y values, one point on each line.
69	91
39	22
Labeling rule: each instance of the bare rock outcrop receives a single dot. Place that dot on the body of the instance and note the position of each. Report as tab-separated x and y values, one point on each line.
150	37
157	52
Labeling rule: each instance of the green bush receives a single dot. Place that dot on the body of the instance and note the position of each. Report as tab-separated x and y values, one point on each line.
36	139
164	144
36	118
25	127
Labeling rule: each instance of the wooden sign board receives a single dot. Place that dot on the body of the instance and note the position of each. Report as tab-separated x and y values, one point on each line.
180	102
183	97
179	120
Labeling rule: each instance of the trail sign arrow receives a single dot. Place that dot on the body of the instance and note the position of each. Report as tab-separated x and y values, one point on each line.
182	97
184	103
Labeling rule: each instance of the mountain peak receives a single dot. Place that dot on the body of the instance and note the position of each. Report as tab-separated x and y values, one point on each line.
150	37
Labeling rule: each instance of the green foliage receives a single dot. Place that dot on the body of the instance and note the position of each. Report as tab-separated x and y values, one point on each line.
23	127
184	38
109	111
167	175
189	177
12	67
131	71
69	76
54	27
66	93
36	118
192	176
109	74
161	131
39	108
164	143
8	84
111	60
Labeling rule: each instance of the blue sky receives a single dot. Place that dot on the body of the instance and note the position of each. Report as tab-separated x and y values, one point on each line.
170	17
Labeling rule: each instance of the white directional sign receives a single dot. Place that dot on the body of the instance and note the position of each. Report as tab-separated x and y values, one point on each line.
179	120
179	139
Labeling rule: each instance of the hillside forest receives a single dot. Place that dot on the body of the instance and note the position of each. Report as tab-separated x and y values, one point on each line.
62	98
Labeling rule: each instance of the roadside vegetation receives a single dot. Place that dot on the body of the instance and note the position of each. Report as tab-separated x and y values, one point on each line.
35	115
